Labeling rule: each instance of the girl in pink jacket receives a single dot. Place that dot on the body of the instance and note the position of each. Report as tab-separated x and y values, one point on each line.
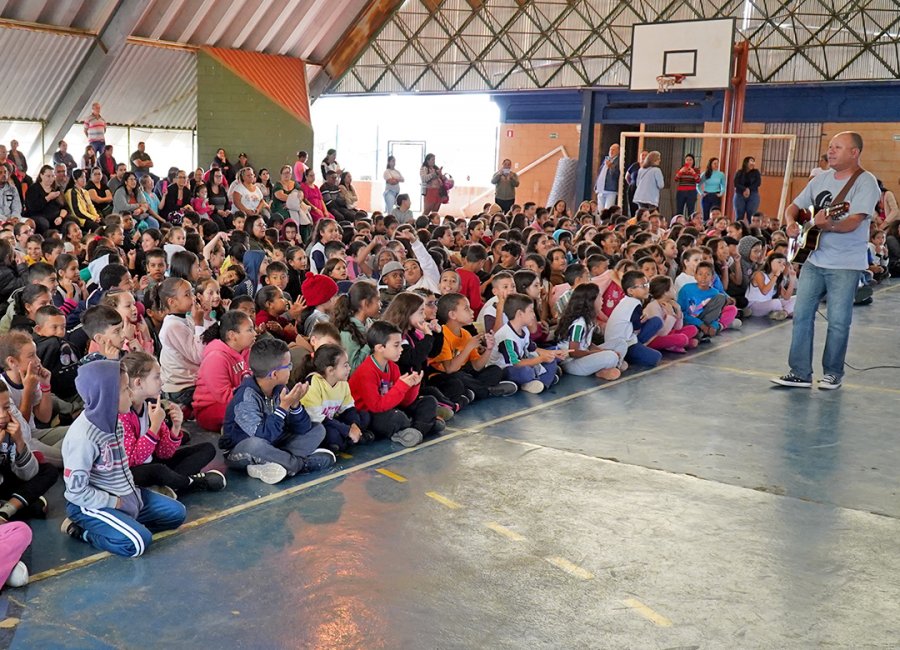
155	451
225	363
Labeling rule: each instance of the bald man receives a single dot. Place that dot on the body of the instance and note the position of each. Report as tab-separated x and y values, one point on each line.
834	270
607	185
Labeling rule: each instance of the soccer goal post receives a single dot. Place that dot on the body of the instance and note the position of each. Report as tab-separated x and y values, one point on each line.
788	170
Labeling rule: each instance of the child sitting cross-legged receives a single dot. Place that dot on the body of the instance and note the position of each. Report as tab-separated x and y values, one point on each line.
575	329
23	480
267	432
390	399
627	331
155	453
105	507
703	305
674	336
460	367
329	400
407	313
223	367
533	369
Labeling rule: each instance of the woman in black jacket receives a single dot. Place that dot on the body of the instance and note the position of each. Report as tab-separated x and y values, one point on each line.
746	190
44	202
177	198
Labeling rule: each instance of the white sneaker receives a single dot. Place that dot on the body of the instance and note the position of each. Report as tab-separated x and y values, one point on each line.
18	577
778	314
270	473
534	387
736	324
829	382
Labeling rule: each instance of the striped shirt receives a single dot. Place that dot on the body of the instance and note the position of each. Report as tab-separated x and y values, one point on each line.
95	128
96	469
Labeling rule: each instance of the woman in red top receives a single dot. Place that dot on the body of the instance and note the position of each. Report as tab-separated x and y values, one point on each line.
313	196
686	180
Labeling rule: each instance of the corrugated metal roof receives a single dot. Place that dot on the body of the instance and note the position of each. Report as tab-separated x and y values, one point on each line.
150	86
37	69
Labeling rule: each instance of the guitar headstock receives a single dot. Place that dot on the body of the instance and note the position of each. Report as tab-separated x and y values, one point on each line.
837	210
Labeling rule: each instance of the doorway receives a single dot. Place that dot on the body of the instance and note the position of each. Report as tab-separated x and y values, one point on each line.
408	155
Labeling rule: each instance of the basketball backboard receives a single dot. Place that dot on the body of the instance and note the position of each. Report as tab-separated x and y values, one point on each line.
698	50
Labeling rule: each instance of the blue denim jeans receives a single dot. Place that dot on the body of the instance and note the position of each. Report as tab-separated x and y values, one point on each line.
686	201
745	207
638	353
114	531
390	198
815	283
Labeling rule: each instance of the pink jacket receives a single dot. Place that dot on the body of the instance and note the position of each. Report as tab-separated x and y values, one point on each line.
221	371
144	447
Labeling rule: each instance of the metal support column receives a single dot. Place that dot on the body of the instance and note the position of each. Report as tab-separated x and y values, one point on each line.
584	184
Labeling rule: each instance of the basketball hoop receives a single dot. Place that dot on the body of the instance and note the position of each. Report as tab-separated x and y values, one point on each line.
666	81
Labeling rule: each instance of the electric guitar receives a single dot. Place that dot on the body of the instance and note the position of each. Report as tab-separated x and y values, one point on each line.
807	242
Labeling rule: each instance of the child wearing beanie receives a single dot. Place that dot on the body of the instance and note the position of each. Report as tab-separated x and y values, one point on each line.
320	293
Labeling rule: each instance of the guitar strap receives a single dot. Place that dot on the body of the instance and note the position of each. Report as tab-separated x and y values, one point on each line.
847	187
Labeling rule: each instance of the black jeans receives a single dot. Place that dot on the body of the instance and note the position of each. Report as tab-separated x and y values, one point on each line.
420	415
467	378
28	491
506	204
174	472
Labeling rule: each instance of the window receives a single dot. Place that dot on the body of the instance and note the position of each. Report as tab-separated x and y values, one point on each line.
806	154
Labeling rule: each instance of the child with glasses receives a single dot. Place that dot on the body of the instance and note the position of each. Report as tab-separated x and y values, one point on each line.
627	331
267	432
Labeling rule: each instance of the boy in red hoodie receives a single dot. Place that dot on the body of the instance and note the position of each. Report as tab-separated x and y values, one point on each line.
391	399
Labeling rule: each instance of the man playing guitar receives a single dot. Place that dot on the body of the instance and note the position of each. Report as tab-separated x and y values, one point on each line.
834	269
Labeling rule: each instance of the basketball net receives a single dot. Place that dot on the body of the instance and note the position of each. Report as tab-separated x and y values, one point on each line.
667	81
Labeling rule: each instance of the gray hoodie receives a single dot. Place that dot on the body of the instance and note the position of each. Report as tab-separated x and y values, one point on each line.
10	202
95	463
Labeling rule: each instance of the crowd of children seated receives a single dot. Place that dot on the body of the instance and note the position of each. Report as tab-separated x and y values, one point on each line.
293	343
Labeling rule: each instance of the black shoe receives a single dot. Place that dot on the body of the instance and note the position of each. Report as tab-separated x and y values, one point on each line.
470	394
366	437
72	529
503	389
211	481
318	460
792	381
36	509
438	427
462	402
704	338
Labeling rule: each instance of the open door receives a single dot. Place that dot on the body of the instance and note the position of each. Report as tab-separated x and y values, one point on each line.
409	156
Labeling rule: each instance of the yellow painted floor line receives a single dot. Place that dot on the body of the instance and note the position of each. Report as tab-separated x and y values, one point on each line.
254	503
450	434
652	616
440	498
503	530
767	375
391	475
8	623
344	455
570	568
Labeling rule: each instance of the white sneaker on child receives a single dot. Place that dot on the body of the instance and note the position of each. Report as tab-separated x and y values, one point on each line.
534	387
270	473
18	577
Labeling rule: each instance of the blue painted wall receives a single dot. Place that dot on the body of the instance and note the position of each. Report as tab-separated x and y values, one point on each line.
852	102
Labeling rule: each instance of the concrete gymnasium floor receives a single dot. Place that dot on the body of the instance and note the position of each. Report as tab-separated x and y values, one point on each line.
636	514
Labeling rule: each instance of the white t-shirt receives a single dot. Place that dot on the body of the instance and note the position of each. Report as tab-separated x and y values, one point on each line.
490	309
249	199
816	171
683	279
619	327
